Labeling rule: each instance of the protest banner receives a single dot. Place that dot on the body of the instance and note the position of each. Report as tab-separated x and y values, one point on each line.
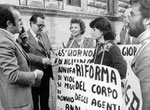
129	51
68	83
89	87
132	98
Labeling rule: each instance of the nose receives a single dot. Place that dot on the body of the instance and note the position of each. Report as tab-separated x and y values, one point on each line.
129	18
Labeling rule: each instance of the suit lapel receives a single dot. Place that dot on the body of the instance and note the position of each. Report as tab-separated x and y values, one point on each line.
46	44
33	42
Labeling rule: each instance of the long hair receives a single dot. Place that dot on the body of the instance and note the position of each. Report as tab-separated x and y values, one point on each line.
103	24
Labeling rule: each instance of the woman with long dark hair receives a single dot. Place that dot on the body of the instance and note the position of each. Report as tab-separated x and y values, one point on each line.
107	51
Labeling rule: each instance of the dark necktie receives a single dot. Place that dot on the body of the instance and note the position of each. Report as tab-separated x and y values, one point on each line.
40	42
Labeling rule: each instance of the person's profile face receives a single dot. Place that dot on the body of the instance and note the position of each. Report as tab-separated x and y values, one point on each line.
38	26
75	29
18	21
96	33
136	26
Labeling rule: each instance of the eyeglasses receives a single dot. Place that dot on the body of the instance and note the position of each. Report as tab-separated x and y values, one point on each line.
40	26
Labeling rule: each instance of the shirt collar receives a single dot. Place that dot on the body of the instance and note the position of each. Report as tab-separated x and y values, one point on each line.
32	33
144	36
9	33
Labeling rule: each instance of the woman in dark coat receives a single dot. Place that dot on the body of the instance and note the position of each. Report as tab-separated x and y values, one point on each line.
107	51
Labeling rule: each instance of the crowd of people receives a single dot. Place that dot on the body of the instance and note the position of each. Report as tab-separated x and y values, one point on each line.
26	62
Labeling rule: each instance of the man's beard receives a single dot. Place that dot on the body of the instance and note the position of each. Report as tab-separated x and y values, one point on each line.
137	29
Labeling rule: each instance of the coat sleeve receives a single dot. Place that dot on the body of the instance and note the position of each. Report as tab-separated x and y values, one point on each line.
142	71
14	65
69	42
35	59
118	60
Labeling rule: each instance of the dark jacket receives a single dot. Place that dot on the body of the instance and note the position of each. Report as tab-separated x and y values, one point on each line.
34	48
109	54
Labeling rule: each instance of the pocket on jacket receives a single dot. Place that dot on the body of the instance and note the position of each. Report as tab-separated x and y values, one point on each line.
19	96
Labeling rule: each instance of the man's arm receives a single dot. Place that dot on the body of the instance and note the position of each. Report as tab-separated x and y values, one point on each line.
142	71
34	59
14	65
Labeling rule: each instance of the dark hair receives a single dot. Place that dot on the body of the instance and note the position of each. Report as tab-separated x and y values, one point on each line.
104	25
144	7
80	22
6	15
35	16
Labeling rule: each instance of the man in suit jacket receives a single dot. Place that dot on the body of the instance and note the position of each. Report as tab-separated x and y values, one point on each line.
15	78
39	44
140	29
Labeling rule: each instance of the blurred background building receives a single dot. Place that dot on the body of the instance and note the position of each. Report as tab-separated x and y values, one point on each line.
59	12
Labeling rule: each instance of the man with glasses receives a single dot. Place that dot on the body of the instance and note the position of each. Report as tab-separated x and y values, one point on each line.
39	44
140	28
125	38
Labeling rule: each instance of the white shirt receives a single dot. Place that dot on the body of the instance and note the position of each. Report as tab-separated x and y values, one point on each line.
34	35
